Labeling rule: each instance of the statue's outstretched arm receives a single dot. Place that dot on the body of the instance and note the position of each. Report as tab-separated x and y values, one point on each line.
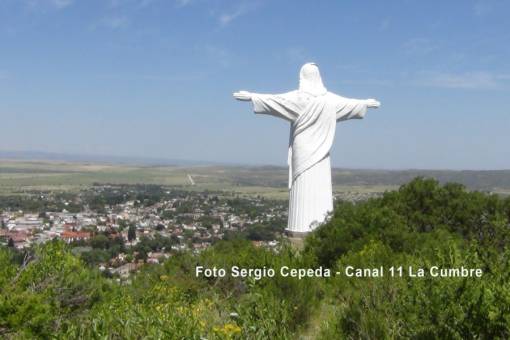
350	108
271	104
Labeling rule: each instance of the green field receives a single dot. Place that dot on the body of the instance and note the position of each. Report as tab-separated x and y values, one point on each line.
269	181
21	176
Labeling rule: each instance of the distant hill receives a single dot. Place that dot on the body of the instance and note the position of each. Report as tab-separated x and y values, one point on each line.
485	180
32	169
55	156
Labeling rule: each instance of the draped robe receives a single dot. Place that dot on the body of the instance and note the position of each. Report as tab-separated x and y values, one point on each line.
313	124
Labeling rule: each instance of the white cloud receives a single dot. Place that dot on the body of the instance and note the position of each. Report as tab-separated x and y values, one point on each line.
469	80
226	18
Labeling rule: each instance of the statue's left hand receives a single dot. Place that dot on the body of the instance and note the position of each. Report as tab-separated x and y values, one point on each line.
242	95
372	103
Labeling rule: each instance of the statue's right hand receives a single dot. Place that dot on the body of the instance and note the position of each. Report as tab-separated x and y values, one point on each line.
242	95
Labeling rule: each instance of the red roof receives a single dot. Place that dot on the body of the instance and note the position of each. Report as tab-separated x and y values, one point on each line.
74	234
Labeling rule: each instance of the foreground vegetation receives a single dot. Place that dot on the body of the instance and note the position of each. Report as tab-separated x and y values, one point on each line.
49	292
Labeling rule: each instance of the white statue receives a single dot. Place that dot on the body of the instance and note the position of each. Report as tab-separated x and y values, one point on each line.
313	113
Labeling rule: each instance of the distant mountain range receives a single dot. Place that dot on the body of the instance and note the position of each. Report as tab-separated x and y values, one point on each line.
153	161
54	156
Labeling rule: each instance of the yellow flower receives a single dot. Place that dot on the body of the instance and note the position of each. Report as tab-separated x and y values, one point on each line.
228	330
231	329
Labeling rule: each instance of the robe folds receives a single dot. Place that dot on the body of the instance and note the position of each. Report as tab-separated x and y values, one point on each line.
313	124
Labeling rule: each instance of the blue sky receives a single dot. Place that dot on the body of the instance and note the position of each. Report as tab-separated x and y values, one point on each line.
154	78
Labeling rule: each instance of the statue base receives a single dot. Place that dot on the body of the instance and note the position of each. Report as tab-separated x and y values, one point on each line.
296	234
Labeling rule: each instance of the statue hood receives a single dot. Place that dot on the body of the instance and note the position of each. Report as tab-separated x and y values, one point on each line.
310	80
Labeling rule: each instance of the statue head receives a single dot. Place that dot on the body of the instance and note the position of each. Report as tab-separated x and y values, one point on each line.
310	80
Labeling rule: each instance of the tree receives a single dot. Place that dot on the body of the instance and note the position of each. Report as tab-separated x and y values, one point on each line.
53	285
100	242
259	232
132	233
122	224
